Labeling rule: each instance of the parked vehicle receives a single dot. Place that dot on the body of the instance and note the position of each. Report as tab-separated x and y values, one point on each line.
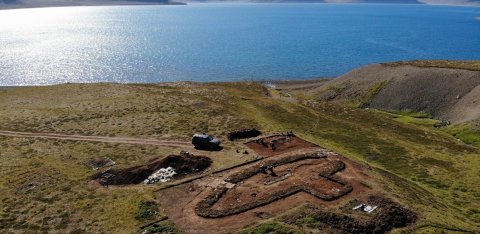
205	141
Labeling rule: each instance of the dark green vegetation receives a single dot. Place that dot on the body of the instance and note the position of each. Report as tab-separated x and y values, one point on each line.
162	228
466	132
367	97
45	184
147	210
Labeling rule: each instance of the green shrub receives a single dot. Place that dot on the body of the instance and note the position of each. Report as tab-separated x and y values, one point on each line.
147	210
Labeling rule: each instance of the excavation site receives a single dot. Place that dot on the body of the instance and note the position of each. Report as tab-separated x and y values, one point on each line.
291	173
278	144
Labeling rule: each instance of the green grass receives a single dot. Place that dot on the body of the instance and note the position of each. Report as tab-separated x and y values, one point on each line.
163	228
367	98
465	133
424	168
147	210
423	156
416	118
408	113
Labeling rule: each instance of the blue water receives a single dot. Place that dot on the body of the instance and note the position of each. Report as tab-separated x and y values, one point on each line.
219	42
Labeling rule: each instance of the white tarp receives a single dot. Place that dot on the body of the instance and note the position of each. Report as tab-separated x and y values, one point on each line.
163	175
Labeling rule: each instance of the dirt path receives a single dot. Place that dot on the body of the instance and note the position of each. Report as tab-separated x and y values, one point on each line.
104	139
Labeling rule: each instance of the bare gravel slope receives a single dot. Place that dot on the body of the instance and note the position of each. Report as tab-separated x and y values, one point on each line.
445	93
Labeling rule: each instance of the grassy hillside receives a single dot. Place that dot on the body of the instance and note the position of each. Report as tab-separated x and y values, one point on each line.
45	185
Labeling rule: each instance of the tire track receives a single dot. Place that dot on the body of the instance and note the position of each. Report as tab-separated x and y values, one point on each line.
103	139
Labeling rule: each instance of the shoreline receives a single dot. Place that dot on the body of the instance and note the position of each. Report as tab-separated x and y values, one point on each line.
468	65
272	81
87	3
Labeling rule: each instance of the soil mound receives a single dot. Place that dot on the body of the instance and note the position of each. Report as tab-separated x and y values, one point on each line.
243	134
183	164
390	215
445	93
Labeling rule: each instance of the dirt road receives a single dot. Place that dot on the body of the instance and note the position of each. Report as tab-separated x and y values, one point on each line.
115	140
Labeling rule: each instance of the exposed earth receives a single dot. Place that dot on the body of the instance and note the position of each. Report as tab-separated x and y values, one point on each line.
282	181
183	164
104	139
279	144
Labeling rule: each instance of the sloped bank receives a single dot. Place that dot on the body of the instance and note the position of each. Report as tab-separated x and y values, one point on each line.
445	89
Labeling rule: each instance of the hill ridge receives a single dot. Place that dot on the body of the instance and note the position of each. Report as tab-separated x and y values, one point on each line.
450	93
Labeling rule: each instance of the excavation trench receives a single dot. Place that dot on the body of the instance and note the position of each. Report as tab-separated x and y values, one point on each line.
183	164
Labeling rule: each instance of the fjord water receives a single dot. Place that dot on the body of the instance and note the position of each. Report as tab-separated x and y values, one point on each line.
222	42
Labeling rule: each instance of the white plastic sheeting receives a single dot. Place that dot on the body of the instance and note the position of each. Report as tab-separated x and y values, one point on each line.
163	175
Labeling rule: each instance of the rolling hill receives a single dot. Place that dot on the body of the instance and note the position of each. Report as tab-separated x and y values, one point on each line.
445	90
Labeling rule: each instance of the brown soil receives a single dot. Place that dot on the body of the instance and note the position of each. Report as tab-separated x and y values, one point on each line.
243	196
281	144
183	164
243	134
182	211
300	173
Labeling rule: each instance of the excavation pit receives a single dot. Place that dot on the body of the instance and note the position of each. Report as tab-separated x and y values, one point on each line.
279	144
273	180
387	216
183	164
243	134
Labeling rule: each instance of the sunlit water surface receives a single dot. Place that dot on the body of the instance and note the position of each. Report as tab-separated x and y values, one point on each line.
219	42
